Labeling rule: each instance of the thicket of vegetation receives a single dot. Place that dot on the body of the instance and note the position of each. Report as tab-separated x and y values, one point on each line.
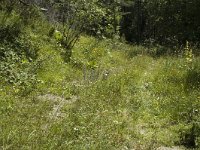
99	74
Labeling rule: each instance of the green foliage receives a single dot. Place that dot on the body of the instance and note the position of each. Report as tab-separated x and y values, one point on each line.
111	95
167	22
10	26
18	53
19	72
18	66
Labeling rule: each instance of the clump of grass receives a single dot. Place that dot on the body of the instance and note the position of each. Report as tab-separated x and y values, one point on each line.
176	88
193	76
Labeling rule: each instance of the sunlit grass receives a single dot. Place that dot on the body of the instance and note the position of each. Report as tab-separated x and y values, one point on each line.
122	102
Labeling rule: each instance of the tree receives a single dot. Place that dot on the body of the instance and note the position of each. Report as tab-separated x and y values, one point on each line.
79	16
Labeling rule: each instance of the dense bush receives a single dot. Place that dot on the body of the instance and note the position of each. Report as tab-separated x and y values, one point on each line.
18	53
18	63
19	72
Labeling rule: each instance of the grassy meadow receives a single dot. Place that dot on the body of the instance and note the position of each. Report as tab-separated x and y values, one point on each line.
110	96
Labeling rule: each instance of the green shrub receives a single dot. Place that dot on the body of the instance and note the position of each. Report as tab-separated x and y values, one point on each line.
10	26
9	32
18	71
18	63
